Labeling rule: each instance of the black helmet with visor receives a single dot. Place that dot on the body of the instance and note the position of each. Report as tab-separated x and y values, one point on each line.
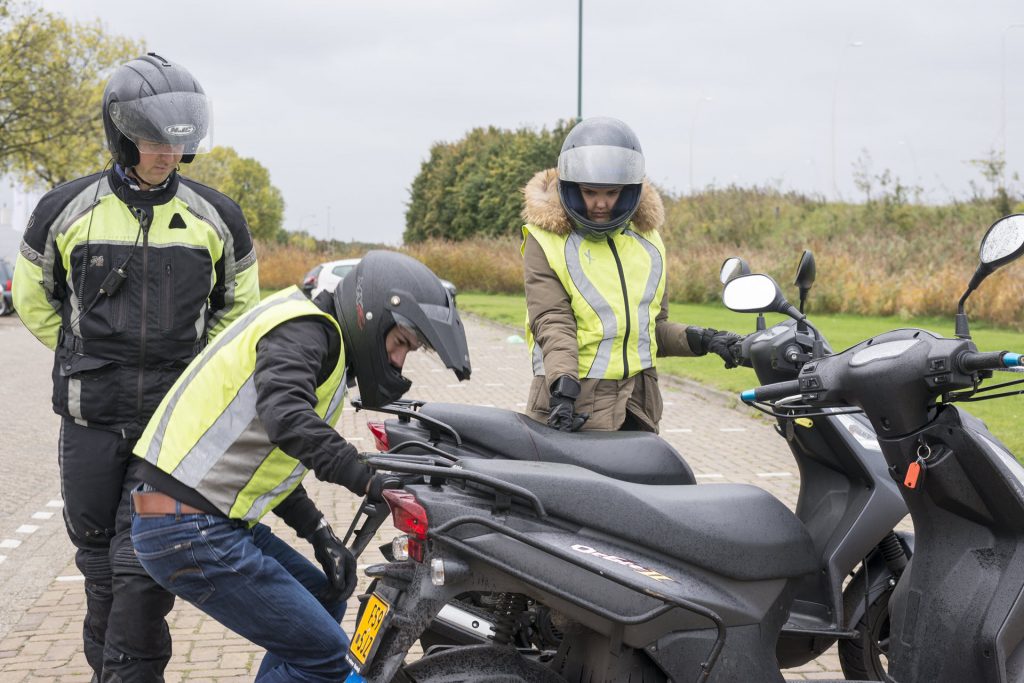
600	152
156	105
387	289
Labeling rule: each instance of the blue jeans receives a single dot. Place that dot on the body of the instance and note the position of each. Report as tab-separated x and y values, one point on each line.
255	584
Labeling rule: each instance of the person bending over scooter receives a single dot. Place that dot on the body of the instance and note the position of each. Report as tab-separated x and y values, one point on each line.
237	433
596	300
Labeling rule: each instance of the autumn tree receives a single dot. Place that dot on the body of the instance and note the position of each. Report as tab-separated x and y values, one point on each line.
472	187
246	181
52	75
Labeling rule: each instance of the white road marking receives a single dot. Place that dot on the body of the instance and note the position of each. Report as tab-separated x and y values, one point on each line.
712	475
733	429
55	504
769	475
9	543
2	558
26	529
42	515
678	431
73	577
455	386
520	405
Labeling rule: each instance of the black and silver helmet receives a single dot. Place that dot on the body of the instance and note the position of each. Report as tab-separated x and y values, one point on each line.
600	152
387	289
151	99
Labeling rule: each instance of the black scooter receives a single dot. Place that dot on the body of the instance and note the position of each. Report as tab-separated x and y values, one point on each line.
695	582
847	501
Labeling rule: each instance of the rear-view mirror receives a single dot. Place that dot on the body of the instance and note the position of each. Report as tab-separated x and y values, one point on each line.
733	267
755	293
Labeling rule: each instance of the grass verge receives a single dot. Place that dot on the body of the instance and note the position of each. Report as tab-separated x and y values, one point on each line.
1003	416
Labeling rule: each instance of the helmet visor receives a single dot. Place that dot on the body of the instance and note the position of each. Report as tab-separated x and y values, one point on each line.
169	123
601	165
439	329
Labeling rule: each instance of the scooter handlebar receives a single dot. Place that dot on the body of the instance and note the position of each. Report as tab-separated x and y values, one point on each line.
771	391
970	361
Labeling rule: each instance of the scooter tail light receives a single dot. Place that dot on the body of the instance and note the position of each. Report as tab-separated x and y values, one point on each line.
380	436
408	515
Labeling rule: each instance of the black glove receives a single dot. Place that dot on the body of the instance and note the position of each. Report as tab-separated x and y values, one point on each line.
725	344
563	417
337	561
387	480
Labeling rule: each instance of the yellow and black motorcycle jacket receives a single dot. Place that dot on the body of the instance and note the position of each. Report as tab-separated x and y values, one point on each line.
127	286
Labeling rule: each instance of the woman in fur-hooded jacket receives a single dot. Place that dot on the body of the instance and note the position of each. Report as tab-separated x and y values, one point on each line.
595	276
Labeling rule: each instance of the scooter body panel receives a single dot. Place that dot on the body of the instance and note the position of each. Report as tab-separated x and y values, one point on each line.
962	591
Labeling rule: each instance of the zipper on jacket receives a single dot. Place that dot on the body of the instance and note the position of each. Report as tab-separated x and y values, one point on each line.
144	224
165	321
625	301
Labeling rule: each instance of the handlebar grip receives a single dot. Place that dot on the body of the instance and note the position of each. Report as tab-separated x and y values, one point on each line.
770	391
970	361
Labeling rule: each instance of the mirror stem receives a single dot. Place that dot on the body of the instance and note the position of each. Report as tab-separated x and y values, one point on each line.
760	322
962	329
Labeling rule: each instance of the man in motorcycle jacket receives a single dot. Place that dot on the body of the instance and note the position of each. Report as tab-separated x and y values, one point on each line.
246	421
597	304
126	274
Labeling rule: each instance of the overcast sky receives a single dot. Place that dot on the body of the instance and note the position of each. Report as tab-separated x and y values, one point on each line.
341	100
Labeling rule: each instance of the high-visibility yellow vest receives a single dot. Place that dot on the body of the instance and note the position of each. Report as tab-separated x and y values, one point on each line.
206	432
615	287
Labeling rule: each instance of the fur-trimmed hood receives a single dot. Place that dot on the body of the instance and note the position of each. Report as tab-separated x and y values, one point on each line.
542	207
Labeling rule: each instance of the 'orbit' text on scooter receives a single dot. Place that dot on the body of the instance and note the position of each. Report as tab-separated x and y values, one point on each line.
651	573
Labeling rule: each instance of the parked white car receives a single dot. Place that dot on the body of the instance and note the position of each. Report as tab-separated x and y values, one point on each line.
326	276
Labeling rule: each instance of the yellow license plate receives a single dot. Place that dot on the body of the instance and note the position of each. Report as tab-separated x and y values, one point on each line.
370	624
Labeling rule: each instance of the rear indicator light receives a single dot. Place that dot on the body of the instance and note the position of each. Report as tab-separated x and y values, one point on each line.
407	514
7	285
309	281
380	436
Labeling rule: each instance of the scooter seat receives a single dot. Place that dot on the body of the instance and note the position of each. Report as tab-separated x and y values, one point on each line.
640	457
736	530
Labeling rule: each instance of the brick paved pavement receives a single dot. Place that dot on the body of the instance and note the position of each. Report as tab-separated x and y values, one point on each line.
43	603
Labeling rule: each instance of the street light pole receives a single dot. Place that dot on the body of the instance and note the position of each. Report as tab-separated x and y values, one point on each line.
693	130
835	98
1002	106
579	66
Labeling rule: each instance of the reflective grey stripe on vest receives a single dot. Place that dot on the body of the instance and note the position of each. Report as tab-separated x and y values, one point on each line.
229	452
339	394
538	360
643	313
596	301
221	340
259	506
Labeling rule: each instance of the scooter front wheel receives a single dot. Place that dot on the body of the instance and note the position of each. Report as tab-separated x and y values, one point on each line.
866	656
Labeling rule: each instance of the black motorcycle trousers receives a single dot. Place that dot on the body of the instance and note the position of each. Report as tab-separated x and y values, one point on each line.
125	631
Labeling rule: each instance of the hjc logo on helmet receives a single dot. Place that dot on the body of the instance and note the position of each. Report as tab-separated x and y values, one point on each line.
180	129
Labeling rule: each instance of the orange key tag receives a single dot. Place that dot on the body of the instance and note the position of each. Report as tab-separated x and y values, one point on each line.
914	470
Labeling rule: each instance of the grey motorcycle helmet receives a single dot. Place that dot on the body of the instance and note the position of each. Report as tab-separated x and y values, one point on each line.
387	289
601	152
153	99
